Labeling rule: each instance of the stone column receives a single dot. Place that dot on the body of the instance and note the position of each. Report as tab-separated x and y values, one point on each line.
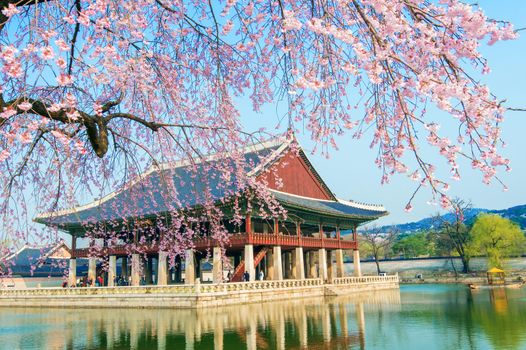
298	271
330	265
278	267
148	270
92	270
162	269
339	263
356	261
249	262
322	261
287	270
270	264
189	270
124	268
313	272
112	270
218	266
136	270
72	276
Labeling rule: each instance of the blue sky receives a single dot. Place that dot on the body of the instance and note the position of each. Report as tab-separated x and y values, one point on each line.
351	173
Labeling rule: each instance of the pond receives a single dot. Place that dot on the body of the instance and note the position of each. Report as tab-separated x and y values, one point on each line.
414	317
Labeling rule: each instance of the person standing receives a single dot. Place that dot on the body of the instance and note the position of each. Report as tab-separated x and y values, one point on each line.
261	275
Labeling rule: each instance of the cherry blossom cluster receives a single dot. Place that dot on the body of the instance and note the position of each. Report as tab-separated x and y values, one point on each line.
95	92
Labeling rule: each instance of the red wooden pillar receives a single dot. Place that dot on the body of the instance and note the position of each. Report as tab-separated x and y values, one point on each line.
355	233
321	232
338	236
248	225
298	229
276	226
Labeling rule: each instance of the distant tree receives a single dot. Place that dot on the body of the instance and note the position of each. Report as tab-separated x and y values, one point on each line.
497	238
453	237
413	245
376	242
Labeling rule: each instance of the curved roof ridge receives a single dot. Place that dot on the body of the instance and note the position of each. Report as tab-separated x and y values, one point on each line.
361	205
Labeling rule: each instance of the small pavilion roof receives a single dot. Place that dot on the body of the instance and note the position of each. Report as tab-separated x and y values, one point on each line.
495	270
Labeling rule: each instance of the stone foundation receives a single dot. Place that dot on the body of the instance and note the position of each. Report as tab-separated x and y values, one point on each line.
192	296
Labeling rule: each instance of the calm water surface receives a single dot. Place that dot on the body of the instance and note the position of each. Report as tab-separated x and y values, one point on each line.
416	317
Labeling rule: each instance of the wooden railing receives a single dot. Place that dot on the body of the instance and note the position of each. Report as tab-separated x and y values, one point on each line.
240	240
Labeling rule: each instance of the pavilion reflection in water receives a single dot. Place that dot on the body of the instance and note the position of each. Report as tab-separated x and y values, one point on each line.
299	324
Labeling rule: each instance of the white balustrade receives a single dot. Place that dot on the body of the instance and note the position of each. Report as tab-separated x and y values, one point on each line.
189	290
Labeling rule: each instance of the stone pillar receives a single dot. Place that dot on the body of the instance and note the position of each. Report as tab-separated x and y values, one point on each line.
92	270
112	270
148	270
322	261
249	262
270	264
286	263
124	268
189	270
339	263
72	276
277	265
298	271
330	265
136	270
313	272
218	266
356	261
162	269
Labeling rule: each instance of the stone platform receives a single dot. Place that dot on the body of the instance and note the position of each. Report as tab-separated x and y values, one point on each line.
192	296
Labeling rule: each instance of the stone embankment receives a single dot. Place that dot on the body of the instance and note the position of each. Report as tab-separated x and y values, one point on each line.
192	296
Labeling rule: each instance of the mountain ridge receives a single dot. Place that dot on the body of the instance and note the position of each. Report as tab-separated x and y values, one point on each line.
516	214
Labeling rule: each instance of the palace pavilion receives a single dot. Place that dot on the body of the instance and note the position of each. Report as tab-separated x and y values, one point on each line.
307	244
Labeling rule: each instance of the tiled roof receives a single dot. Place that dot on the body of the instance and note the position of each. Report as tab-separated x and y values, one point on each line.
183	185
166	188
335	208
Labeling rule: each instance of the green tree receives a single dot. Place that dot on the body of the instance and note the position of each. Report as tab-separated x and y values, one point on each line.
413	245
497	238
453	237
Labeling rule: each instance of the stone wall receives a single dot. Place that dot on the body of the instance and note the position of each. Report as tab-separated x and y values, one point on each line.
432	266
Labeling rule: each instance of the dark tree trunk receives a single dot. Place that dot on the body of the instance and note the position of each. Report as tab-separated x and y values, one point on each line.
377	264
465	264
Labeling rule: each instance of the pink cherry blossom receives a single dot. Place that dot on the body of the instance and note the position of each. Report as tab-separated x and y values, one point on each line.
151	83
